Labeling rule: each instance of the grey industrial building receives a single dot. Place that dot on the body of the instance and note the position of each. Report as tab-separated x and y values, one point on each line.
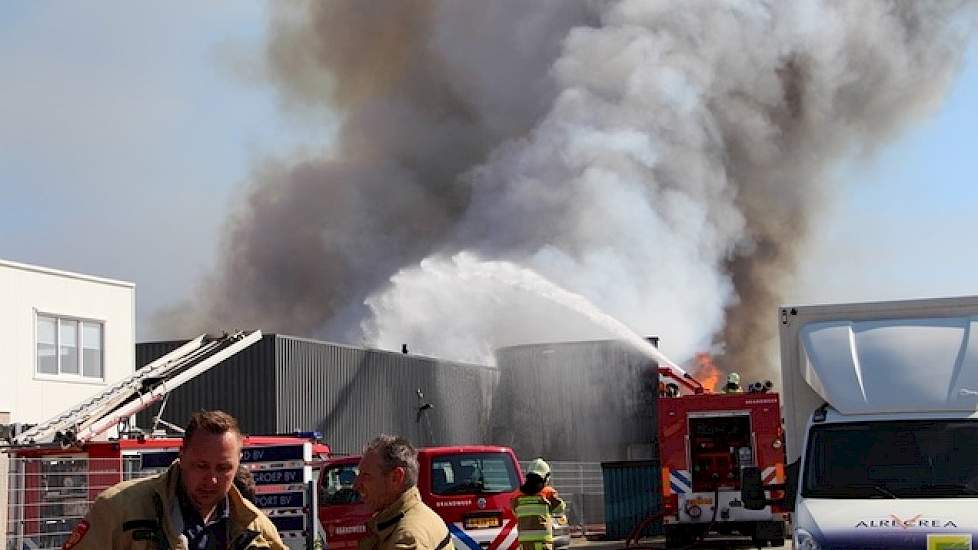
284	384
581	401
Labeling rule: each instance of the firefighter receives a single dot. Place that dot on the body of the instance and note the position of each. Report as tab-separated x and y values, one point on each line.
388	484
733	383
535	504
193	506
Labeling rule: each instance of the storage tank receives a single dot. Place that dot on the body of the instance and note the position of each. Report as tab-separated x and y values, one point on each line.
576	401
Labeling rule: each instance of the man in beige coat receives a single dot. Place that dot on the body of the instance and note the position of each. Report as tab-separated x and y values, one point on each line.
388	483
193	506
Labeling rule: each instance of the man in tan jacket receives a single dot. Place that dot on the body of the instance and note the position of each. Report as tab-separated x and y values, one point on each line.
193	506
387	481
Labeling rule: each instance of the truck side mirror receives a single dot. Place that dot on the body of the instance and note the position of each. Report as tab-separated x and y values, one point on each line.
752	488
791	485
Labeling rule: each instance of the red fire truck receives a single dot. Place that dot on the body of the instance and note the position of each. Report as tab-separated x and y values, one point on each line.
60	465
52	488
704	441
469	486
342	512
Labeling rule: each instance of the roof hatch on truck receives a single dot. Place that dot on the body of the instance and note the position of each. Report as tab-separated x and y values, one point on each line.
893	365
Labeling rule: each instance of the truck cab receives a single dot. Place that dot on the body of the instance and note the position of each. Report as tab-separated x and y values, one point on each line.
904	480
881	408
342	513
469	486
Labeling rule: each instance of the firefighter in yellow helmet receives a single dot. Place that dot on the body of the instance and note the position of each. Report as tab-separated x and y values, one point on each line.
534	505
733	383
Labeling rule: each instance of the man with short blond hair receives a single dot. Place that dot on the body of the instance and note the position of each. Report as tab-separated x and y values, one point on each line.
387	481
193	505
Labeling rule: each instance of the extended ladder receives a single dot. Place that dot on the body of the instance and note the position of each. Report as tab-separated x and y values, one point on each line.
136	392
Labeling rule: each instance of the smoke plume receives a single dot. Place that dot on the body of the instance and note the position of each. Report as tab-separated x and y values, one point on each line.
666	161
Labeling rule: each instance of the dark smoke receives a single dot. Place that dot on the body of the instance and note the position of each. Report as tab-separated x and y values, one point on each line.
426	91
899	58
666	162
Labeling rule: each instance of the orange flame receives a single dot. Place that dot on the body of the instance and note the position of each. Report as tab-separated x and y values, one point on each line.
707	372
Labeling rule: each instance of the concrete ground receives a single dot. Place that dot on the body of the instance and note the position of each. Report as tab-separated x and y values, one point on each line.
712	543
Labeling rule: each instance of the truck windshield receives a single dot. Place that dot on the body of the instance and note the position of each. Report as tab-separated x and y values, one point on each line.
336	485
454	474
902	459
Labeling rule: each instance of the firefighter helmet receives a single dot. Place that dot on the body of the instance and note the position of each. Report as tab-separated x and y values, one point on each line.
733	383
539	467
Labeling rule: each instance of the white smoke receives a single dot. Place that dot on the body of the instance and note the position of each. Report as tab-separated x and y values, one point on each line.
682	140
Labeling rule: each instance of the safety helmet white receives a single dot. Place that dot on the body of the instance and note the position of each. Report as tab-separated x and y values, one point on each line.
539	467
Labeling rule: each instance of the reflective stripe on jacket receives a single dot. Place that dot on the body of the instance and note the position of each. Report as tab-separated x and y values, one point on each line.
534	515
533	519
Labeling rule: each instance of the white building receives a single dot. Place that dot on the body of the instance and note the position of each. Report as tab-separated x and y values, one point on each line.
63	337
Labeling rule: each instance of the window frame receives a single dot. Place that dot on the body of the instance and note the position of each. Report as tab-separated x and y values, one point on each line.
61	376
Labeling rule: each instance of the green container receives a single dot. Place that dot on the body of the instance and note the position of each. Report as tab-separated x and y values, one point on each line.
632	492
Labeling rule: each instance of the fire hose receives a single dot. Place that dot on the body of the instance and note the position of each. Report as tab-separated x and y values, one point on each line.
631	542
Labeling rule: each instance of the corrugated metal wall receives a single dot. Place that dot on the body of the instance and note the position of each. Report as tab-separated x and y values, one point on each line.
284	384
351	394
242	386
632	493
579	401
582	401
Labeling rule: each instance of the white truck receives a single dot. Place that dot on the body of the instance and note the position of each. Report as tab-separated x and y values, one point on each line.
881	416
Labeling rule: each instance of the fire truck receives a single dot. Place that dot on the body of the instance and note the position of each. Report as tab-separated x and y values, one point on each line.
705	439
52	488
59	466
469	486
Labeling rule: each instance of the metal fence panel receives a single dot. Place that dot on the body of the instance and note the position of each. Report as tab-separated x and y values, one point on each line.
581	486
48	496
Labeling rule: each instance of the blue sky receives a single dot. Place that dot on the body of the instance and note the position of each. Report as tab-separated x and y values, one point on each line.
906	222
129	131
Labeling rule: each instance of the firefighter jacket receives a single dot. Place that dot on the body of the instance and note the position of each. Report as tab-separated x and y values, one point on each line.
407	524
534	516
144	514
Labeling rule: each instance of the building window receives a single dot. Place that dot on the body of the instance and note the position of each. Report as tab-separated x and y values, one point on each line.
92	349
69	347
47	345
